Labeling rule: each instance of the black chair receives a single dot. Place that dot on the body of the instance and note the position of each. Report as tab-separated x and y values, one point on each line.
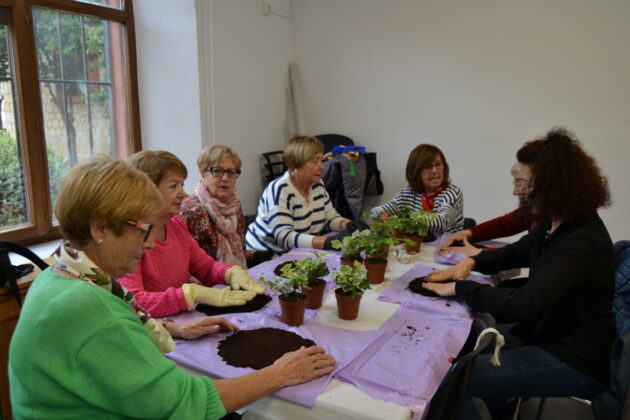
273	166
469	222
9	273
448	400
331	140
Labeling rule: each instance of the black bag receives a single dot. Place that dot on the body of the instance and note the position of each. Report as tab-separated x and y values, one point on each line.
9	273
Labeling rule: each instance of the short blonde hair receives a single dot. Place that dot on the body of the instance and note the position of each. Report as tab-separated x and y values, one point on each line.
300	150
155	163
105	189
213	155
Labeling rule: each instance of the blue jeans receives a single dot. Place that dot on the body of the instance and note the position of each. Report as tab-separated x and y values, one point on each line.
525	371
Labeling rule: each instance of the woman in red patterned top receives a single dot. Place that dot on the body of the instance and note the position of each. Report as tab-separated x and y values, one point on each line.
213	211
509	224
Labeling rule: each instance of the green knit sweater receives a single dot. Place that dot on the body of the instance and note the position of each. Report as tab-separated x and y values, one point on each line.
79	352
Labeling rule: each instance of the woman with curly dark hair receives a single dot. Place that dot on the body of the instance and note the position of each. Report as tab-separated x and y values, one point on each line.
558	323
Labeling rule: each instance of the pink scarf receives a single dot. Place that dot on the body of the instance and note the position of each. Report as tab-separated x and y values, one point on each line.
230	248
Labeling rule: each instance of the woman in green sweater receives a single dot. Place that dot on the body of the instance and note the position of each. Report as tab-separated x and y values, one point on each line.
84	349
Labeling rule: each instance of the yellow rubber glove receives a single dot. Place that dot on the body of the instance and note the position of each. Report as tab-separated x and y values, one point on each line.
238	278
195	293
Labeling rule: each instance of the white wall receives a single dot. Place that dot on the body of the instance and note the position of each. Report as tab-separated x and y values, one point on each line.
250	55
168	79
475	78
214	72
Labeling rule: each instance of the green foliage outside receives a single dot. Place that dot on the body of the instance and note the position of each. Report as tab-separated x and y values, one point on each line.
13	208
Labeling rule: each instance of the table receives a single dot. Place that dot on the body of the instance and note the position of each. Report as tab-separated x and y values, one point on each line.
340	399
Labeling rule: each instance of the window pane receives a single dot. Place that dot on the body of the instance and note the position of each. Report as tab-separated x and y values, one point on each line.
81	73
114	4
13	205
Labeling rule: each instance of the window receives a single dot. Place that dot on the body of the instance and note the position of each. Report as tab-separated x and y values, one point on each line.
67	90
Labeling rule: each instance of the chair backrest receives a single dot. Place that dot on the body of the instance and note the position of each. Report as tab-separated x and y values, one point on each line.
621	300
331	140
8	275
447	402
274	165
608	404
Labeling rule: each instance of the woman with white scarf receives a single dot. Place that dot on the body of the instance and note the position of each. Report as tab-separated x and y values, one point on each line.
213	211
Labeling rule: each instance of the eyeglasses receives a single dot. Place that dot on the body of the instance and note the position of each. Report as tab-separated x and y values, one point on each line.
141	227
436	165
218	172
521	184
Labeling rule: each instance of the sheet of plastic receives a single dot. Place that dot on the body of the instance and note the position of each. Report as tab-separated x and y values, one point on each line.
406	364
344	345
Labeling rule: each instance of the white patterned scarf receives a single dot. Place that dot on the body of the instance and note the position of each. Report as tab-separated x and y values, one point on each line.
75	262
230	249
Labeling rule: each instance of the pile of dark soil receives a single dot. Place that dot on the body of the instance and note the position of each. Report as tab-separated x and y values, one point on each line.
259	348
415	286
251	306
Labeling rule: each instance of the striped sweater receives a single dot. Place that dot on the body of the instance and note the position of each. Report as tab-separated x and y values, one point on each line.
287	220
448	208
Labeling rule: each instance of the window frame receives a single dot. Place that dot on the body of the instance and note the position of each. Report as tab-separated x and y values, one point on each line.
30	120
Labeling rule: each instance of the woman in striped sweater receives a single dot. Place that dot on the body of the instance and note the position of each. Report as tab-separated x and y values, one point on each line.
295	210
429	189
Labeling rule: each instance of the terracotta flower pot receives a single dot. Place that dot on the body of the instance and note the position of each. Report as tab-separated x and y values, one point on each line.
397	233
347	306
293	312
315	294
415	248
375	271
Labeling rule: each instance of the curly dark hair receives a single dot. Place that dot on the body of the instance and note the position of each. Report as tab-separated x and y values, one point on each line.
567	183
420	157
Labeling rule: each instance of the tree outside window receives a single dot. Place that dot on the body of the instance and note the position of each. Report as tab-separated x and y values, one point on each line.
83	73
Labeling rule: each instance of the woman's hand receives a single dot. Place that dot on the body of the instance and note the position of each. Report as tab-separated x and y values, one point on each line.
198	327
442	289
468	249
456	272
303	365
464	235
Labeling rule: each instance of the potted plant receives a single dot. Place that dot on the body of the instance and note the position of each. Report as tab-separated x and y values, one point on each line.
412	225
314	269
291	288
350	248
375	243
352	282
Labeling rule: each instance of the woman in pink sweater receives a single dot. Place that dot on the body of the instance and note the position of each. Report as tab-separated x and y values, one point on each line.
160	284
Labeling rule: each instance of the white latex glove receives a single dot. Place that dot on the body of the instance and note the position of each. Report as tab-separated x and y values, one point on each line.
238	278
195	293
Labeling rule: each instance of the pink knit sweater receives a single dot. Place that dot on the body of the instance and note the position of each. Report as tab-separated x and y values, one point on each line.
157	282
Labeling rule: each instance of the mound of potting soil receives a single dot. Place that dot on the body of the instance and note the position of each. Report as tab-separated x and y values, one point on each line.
259	348
416	287
253	305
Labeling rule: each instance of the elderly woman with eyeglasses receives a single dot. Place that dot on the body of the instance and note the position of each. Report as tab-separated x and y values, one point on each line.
84	349
509	224
161	282
429	189
213	211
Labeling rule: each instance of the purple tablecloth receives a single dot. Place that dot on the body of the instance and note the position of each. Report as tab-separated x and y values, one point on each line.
344	345
407	363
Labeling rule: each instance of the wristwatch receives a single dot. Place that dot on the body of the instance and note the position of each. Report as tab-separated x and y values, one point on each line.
165	321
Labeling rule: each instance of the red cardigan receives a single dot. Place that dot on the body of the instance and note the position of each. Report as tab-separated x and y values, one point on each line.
507	225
